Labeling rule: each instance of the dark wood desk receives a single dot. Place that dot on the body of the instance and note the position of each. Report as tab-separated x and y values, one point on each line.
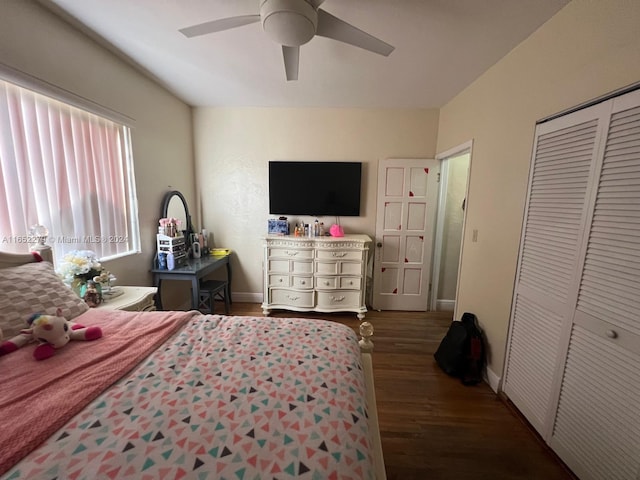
192	271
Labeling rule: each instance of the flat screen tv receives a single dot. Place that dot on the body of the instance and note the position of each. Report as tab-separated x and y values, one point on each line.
314	188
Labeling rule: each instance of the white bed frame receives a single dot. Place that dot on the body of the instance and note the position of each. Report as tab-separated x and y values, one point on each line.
366	347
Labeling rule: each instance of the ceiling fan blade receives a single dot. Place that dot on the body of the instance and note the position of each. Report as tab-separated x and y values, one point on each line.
332	27
218	25
291	60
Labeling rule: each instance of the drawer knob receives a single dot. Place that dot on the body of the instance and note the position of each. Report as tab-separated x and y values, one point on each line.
326	283
303	282
338	254
612	334
280	280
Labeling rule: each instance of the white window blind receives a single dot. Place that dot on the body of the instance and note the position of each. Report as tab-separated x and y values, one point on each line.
66	169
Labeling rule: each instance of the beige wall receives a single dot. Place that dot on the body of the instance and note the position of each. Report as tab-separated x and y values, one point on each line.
588	49
234	145
34	41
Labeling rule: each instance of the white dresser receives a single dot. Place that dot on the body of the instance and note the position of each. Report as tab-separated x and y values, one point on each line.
322	274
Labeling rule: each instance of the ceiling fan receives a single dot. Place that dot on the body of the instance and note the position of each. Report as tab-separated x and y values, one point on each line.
292	23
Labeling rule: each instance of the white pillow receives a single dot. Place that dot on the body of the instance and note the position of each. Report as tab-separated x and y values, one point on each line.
34	288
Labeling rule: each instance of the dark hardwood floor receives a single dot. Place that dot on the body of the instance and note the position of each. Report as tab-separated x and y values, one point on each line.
432	426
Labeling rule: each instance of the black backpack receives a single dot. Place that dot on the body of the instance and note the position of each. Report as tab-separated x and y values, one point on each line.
461	353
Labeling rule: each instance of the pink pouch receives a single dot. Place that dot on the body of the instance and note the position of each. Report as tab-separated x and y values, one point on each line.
336	230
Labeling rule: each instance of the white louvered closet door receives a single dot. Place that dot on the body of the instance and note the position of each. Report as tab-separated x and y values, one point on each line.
562	172
597	423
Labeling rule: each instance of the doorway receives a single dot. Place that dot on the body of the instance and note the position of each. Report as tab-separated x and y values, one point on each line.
452	202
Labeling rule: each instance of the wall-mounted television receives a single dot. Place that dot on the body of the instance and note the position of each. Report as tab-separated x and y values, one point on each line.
314	188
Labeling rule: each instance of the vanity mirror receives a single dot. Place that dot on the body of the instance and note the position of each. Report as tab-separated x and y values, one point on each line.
174	205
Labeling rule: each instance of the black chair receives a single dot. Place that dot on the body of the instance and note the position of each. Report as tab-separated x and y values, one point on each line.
210	290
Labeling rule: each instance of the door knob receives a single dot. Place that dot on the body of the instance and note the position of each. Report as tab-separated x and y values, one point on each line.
379	244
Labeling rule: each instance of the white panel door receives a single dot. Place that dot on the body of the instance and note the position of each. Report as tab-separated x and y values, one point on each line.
407	203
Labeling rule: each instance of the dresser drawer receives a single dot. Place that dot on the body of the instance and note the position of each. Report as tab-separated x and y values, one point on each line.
327	268
278	280
278	266
302	267
290	253
350	283
333	283
302	282
350	268
338	299
281	296
339	255
326	283
339	268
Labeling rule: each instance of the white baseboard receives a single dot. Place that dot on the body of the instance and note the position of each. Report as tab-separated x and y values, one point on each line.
493	380
445	305
246	297
242	297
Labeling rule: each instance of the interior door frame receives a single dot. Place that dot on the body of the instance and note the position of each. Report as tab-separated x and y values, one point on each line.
466	147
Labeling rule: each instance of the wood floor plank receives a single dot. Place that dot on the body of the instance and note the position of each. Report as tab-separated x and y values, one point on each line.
432	426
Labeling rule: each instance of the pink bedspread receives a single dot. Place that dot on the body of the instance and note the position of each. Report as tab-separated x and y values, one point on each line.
37	398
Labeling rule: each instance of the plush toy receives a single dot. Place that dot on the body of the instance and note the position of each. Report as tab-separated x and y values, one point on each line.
51	332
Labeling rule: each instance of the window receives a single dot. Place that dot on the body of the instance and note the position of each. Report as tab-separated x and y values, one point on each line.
67	169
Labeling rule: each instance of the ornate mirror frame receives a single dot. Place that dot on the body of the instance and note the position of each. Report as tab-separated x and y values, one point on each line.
188	227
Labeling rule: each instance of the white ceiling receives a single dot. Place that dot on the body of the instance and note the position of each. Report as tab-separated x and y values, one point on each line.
441	47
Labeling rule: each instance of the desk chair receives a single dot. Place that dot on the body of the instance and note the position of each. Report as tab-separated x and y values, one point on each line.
210	290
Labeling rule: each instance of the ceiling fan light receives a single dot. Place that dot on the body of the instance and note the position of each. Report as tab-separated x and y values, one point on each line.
289	22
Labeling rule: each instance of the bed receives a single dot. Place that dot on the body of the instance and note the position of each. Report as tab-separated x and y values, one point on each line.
182	394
